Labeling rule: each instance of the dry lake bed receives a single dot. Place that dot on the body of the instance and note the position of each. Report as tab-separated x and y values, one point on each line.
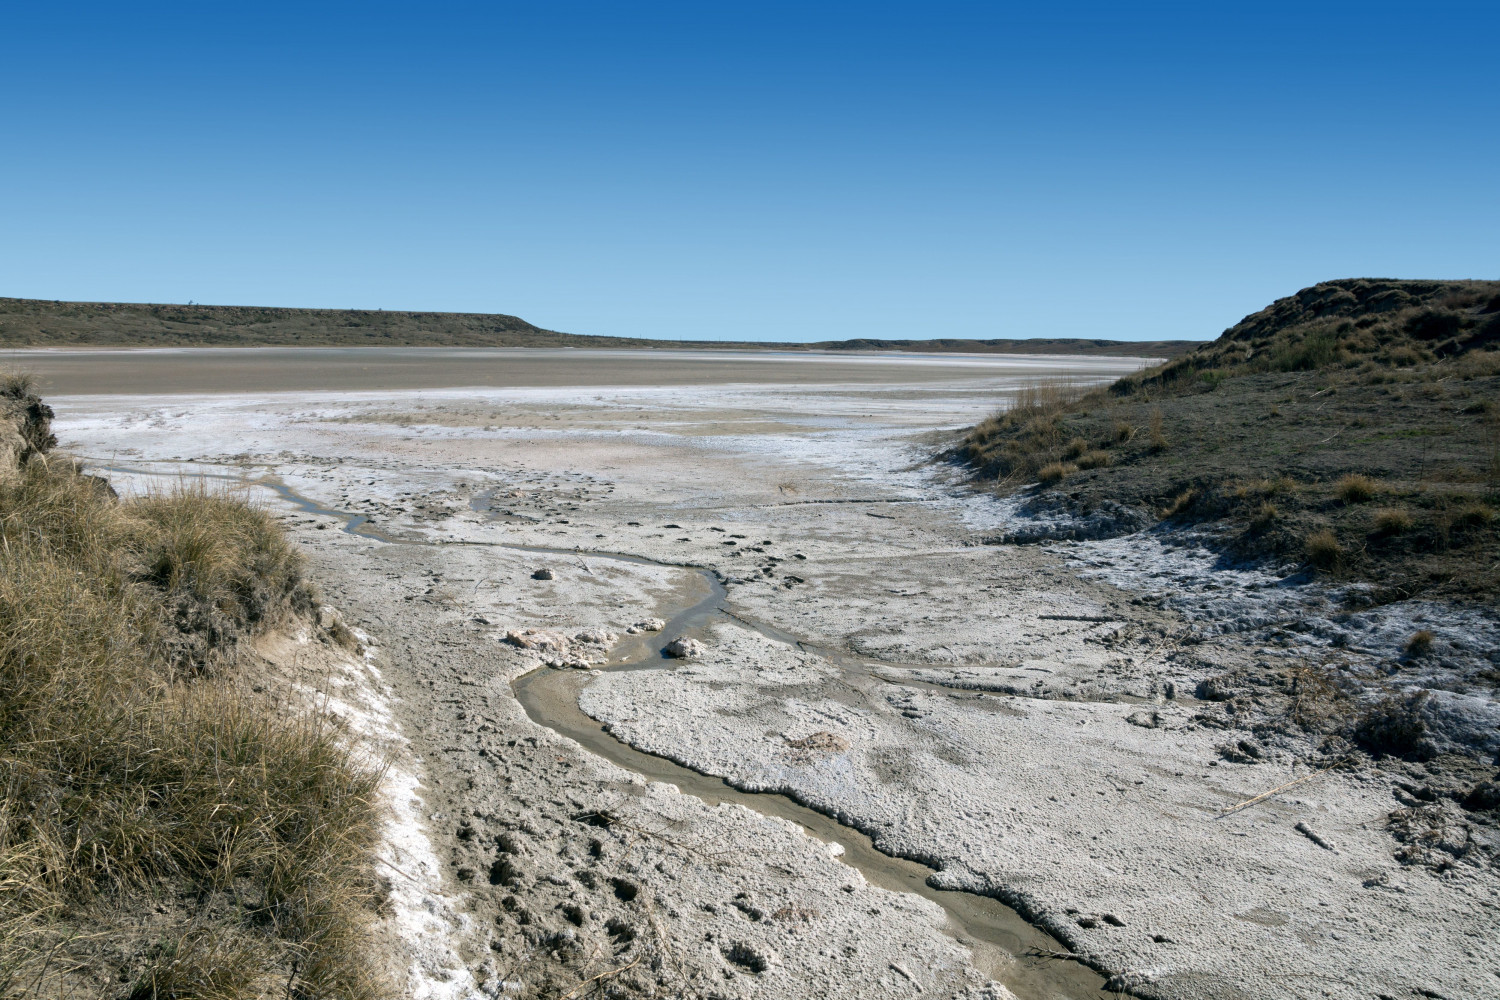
896	759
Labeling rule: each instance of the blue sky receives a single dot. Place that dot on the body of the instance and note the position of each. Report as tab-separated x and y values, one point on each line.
749	171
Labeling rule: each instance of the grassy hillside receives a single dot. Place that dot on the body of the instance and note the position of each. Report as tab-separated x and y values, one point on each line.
163	832
41	323
1353	428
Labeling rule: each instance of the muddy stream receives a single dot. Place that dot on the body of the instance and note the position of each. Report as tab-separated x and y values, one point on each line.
1027	960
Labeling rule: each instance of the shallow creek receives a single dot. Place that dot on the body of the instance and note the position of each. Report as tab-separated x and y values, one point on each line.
1030	962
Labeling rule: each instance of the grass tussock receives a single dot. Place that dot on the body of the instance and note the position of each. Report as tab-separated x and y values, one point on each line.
1393	521
1296	421
1054	472
1420	644
1355	489
1323	549
1019	443
137	777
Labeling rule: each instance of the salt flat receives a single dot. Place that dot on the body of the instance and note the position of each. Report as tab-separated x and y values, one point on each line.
1015	717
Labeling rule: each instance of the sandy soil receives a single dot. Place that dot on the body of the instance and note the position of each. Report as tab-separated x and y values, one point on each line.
1019	719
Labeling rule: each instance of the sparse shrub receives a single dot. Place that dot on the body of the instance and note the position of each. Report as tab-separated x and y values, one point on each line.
1420	644
1053	473
1393	521
1269	487
1264	517
1314	351
1213	378
1402	356
1159	441
1323	549
1123	431
1431	324
1077	446
1318	702
1182	503
1474	515
1355	488
1094	460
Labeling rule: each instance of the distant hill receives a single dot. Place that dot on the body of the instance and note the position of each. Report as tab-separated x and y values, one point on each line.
1353	427
1035	345
45	323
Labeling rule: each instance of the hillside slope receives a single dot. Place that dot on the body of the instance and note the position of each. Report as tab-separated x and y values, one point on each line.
44	323
167	827
1352	429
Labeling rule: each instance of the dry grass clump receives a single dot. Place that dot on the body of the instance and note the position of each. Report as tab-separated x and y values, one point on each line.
1020	442
1265	516
1355	489
1420	644
1183	502
1053	473
1094	460
1323	549
133	772
1159	441
1267	487
1474	515
1393	521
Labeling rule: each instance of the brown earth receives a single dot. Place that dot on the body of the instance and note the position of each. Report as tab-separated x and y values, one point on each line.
45	323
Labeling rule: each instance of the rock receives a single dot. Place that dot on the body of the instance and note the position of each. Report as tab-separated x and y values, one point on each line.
579	652
684	649
1220	688
539	640
544	574
646	625
809	750
328	617
754	957
1246	751
1485	795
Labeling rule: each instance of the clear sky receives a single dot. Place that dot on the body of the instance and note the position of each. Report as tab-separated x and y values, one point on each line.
763	170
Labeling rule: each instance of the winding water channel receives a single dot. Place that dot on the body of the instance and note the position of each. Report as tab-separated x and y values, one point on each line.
1030	962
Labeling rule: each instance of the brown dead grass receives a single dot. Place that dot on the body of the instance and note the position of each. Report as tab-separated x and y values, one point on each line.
1356	489
136	775
1323	549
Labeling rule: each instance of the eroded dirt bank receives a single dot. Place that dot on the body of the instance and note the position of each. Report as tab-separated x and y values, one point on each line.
1022	718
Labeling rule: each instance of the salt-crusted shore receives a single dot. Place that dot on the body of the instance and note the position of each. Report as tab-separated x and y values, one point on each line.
1021	717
